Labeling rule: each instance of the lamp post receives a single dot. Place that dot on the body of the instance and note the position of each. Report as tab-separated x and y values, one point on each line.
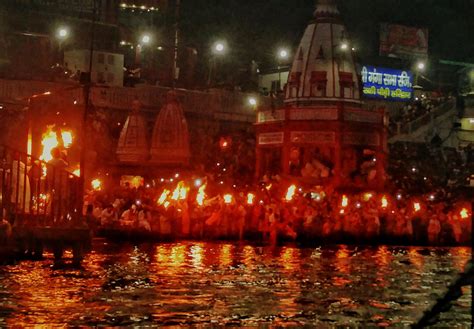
420	67
282	56
61	34
218	49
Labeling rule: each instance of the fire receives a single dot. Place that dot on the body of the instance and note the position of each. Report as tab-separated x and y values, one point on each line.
268	187
77	172
227	198
67	138
367	196
50	141
201	195
180	192
384	202
166	204
96	184
250	198
163	196
344	201
290	193
416	206
464	213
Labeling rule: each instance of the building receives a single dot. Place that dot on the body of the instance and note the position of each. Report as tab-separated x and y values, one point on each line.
322	133
107	68
273	80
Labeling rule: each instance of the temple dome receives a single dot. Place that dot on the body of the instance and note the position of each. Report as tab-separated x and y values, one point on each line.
170	142
132	145
323	68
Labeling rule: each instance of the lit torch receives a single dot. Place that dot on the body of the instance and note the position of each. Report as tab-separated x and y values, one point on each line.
250	198
384	202
163	196
290	193
96	184
344	201
201	195
464	213
227	198
416	206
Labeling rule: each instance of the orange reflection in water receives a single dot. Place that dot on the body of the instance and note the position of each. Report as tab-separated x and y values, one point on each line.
225	256
290	258
248	257
383	258
415	258
461	256
341	263
178	255
196	253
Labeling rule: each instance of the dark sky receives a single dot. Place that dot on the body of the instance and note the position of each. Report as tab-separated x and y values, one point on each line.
254	29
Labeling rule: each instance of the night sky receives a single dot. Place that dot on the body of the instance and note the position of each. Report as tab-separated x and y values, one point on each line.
254	29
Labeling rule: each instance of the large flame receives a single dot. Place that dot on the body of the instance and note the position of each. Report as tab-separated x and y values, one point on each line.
180	192
50	140
201	195
290	193
163	196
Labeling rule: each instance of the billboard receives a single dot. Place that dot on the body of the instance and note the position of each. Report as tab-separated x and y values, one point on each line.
390	84
403	41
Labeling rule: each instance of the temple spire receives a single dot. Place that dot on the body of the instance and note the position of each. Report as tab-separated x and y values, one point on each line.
326	8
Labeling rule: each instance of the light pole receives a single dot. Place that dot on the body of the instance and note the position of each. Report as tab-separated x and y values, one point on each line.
282	56
61	34
218	49
420	67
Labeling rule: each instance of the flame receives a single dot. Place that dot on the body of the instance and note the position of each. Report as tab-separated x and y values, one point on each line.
180	192
416	206
268	187
67	138
201	195
29	145
344	201
290	193
166	204
96	184
163	196
250	198
384	202
77	172
464	213
227	198
367	196
50	140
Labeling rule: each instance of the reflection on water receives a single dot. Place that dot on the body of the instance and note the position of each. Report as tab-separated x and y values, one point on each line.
208	284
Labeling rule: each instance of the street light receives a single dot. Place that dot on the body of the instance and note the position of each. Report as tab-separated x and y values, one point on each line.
282	56
420	66
145	39
62	33
252	101
218	49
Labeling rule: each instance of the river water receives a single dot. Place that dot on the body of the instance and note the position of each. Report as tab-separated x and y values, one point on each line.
210	284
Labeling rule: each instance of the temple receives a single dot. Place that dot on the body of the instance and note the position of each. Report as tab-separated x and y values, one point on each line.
323	134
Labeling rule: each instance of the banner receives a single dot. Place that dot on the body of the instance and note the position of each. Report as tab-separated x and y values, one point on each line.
403	41
379	82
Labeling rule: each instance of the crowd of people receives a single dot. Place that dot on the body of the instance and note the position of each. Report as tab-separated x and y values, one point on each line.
414	110
275	210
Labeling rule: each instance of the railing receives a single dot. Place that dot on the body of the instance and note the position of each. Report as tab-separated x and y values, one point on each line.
414	125
152	97
34	193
